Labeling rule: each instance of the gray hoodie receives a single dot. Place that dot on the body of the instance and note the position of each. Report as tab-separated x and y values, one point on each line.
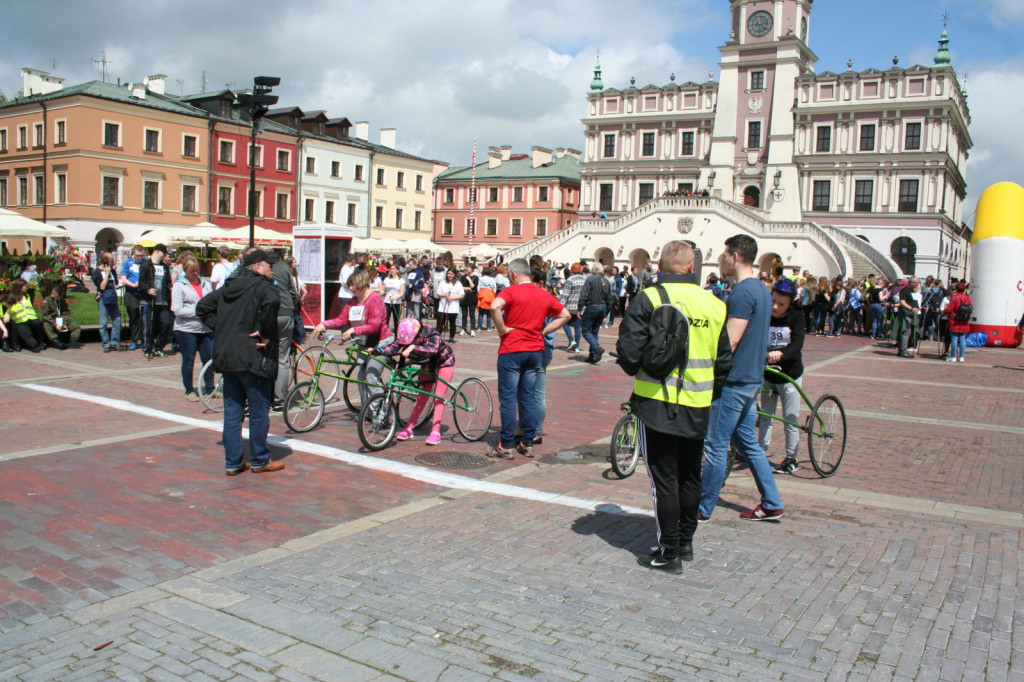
183	304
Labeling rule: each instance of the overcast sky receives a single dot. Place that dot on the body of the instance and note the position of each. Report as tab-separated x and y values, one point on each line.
509	72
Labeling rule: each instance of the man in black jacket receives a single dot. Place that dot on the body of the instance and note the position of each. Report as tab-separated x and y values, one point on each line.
596	300
155	293
243	315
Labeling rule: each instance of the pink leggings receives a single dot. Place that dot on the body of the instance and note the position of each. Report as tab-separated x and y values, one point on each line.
445	373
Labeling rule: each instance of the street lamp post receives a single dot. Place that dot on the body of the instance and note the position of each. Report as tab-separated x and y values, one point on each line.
258	102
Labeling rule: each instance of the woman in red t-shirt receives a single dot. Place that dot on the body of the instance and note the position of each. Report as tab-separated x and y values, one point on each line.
958	328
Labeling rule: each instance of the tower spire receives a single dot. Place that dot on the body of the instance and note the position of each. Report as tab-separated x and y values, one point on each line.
942	57
596	85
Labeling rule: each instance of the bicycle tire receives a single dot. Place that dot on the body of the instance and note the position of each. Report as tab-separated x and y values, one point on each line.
213	401
826	440
305	368
378	422
474	420
350	391
625	446
405	403
304	407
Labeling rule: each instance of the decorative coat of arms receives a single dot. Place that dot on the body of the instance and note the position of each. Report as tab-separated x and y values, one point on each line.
685	225
755	105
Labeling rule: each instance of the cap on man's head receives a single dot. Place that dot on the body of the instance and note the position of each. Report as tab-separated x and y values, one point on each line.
255	256
160	247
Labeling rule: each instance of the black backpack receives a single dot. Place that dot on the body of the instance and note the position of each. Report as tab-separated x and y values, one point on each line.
668	347
964	312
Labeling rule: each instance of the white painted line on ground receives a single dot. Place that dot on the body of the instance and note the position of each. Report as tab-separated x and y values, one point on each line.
410	471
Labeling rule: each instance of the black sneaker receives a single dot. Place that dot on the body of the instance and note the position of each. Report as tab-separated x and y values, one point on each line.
788	466
656	562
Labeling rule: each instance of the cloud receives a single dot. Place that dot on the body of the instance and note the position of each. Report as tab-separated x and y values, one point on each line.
1006	10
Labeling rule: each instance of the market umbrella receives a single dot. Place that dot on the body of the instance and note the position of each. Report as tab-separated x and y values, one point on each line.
16	225
199	234
261	236
424	245
480	251
151	238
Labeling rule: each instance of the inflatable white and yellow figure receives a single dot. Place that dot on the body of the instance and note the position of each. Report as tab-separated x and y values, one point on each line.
997	264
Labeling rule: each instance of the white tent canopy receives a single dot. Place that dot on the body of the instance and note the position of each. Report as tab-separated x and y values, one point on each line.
16	225
480	251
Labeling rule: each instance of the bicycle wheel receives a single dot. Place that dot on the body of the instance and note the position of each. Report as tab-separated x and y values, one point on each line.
378	422
305	368
405	404
212	400
304	407
350	390
625	446
473	409
826	435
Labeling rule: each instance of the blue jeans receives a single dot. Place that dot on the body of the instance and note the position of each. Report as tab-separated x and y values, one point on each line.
835	323
957	344
574	324
110	312
877	319
591	320
240	388
733	416
483	319
517	387
188	344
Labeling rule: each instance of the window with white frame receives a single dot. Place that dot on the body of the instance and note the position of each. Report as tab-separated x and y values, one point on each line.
224	200
470	227
311	164
284	160
22	190
517	227
111	190
352	214
863	195
449	195
227	151
517	194
22	137
400	180
757	80
257	200
419	183
328	211
310	212
822	196
491	228
688	143
40	138
912	139
3	139
3	191
908	195
190	146
492	195
359	173
378	216
417	220
609	145
60	132
446	226
648	145
399	216
281	207
151	140
335	169
867	137
40	189
823	142
753	134
380	176
543	193
60	190
542	227
151	195
646	192
189	198
111	134
255	156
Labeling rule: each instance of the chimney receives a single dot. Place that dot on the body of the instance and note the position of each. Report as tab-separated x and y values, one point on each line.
35	82
506	152
138	90
560	152
575	153
157	84
541	156
493	157
363	130
387	137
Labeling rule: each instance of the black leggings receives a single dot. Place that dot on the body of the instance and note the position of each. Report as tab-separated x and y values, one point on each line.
447	320
393	310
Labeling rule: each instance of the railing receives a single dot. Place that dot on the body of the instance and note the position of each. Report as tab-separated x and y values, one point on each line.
887	267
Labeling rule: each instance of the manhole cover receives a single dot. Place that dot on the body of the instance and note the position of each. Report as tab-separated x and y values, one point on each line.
453	460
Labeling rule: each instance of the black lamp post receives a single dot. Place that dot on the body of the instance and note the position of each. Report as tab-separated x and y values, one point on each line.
258	102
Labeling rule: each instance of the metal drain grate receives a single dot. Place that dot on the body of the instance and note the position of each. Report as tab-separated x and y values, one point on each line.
453	460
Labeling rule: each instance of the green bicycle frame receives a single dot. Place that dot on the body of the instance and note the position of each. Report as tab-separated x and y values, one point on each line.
405	381
807	401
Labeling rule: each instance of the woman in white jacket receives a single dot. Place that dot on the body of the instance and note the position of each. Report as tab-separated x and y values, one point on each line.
449	294
192	335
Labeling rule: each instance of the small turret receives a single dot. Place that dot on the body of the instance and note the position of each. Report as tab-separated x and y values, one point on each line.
596	85
942	57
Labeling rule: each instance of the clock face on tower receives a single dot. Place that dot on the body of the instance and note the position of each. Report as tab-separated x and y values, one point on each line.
759	23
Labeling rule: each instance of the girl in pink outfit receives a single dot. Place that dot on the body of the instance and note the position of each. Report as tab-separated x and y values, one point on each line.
421	344
362	315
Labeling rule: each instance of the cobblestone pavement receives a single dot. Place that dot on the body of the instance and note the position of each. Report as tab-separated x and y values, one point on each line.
126	554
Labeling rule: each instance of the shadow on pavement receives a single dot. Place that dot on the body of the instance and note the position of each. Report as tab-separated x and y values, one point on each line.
619	528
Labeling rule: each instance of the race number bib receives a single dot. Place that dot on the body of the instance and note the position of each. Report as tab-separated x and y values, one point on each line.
355	314
779	336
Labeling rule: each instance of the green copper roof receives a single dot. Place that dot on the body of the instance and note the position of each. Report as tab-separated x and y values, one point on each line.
567	167
113	93
596	85
942	57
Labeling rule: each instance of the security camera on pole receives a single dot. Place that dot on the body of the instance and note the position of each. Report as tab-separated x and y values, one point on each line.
258	102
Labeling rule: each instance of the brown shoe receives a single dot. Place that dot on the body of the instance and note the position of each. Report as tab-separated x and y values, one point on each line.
240	470
271	466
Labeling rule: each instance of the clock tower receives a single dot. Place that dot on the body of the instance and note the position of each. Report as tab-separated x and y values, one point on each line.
752	144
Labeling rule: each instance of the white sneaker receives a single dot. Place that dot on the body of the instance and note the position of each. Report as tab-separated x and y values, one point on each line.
462	333
473	334
960	360
950	359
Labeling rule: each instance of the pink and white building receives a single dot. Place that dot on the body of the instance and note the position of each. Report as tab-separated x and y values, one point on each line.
855	172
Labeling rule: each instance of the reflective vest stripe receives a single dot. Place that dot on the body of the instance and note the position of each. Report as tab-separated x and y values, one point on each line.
696	386
23	312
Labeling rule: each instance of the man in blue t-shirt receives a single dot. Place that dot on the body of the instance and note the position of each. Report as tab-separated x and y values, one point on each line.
734	413
132	295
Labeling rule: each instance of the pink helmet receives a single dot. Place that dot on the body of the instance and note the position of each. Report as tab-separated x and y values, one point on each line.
407	330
